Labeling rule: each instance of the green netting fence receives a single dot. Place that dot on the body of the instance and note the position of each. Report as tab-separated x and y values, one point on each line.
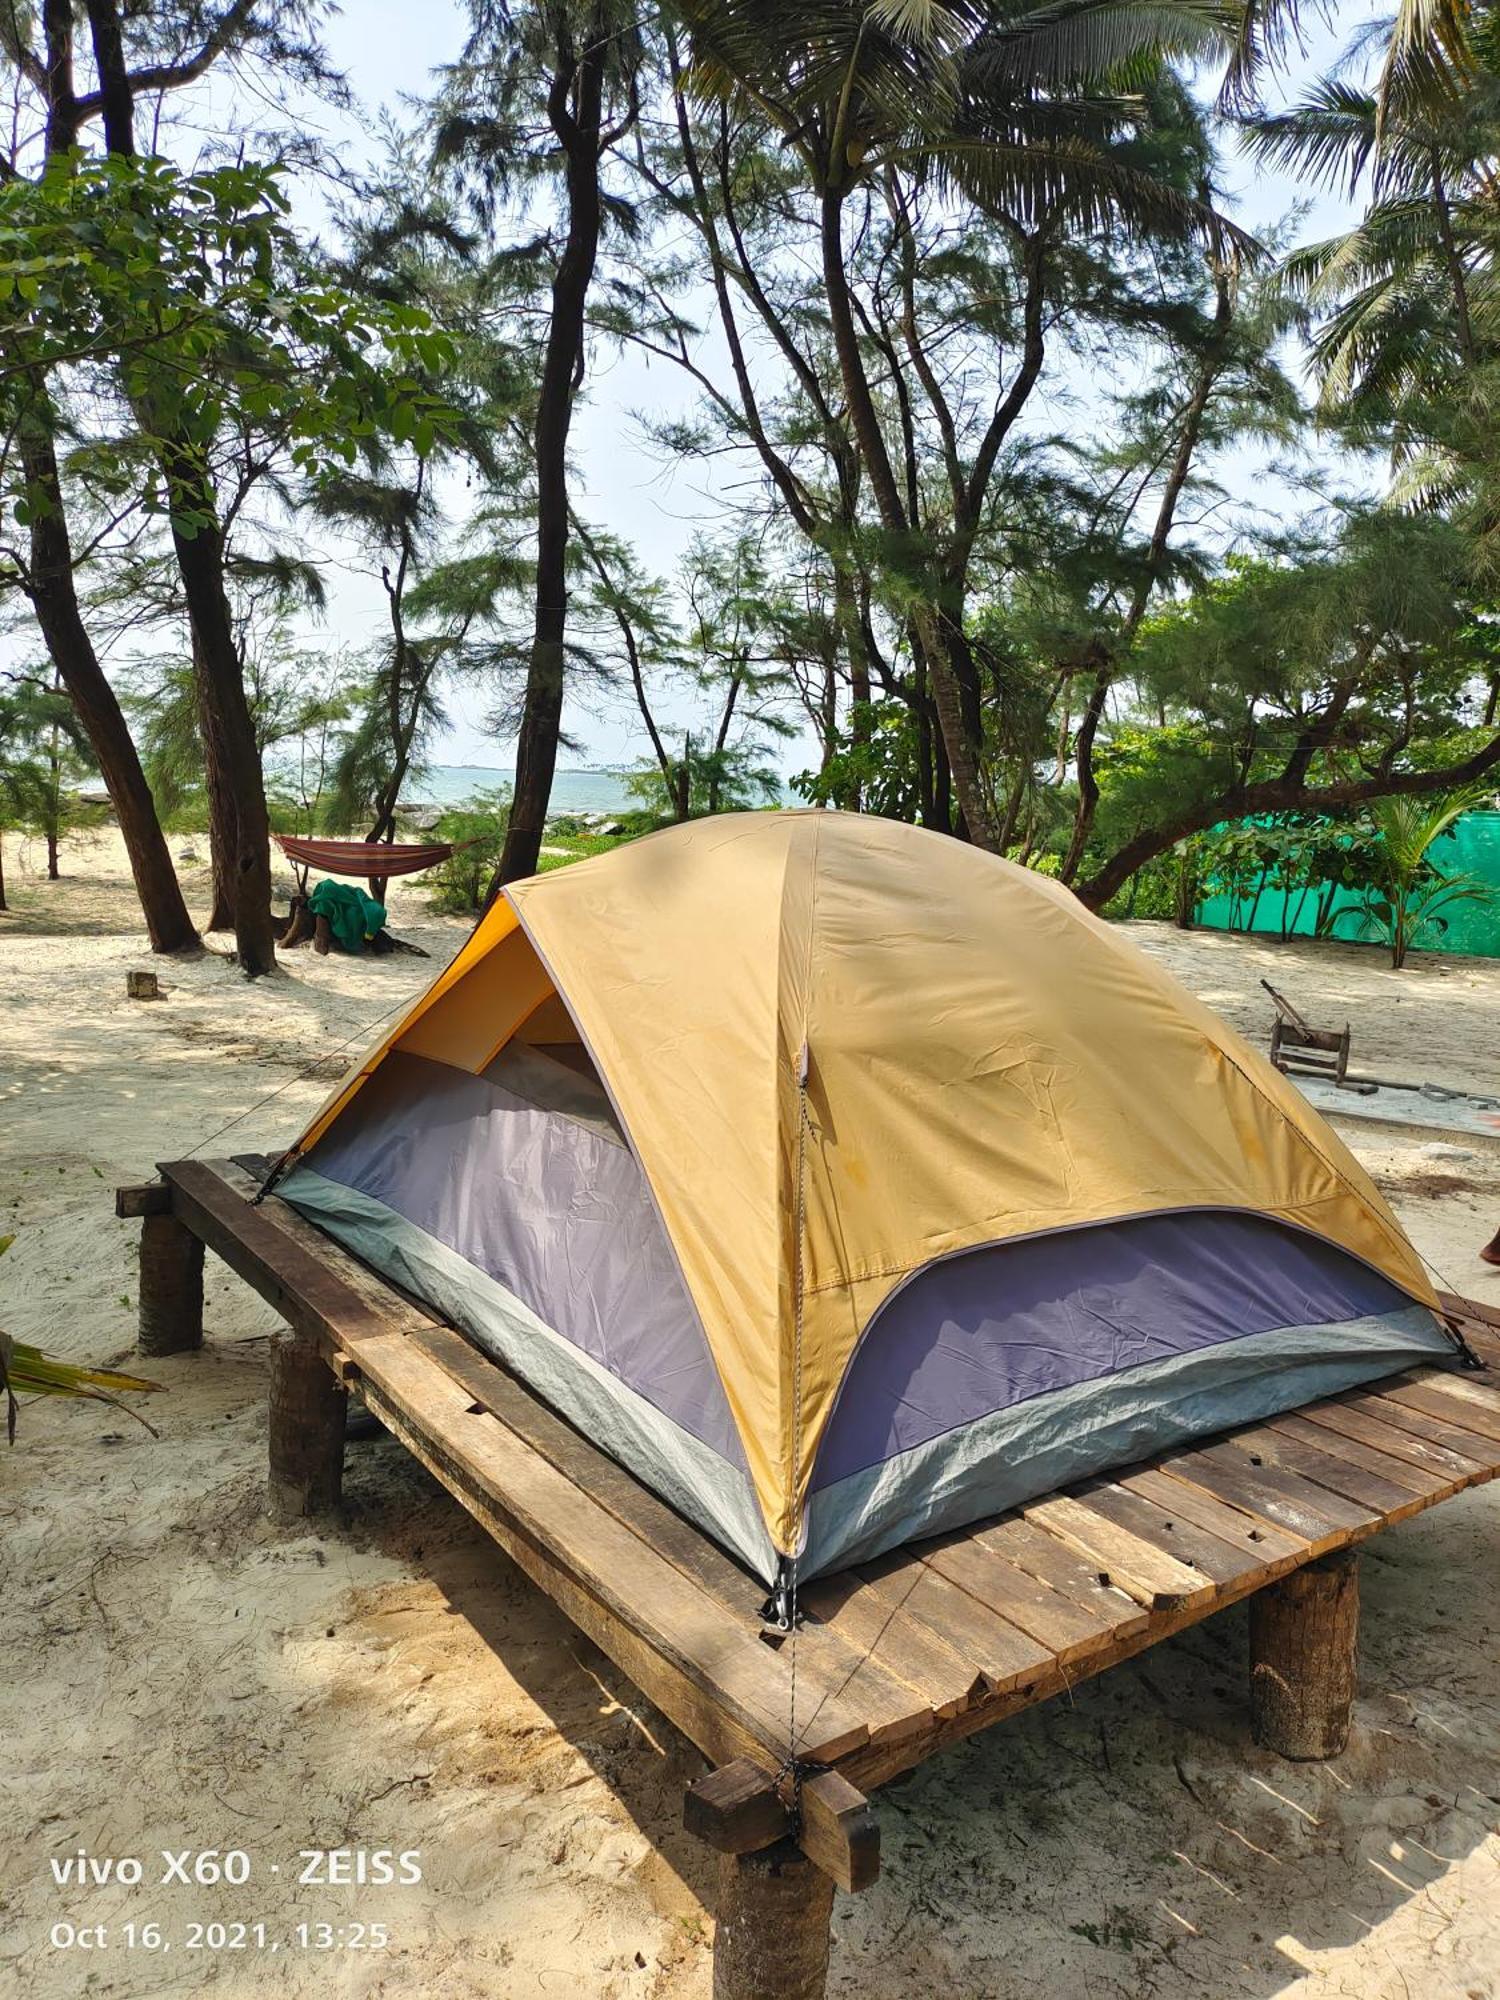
1473	929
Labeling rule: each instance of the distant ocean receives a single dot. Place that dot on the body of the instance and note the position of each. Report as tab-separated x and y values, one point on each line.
572	791
580	791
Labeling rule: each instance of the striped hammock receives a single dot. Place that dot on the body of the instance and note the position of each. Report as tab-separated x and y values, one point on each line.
367	859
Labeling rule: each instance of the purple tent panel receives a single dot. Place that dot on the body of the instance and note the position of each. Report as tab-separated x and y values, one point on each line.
994	1327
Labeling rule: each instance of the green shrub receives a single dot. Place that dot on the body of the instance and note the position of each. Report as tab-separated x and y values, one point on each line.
477	832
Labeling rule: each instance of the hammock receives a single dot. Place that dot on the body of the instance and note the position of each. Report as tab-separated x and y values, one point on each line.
368	859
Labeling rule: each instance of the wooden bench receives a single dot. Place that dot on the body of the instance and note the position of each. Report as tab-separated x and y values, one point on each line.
895	1658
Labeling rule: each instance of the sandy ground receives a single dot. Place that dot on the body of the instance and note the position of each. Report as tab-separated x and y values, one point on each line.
176	1674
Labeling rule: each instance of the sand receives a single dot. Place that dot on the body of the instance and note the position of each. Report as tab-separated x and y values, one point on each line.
177	1674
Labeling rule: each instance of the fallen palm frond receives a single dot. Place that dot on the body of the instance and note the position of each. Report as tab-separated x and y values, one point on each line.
27	1371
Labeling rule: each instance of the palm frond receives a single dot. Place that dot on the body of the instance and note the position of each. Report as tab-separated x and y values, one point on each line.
27	1371
1328	137
1429	60
1091	41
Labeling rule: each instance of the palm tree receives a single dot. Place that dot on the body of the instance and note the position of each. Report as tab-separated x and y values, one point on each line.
1017	109
1406	305
1427	59
1411	894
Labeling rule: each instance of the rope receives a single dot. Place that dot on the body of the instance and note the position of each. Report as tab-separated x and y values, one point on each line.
1467	1356
302	1076
793	1767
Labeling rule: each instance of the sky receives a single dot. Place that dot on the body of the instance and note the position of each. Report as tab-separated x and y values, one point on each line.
390	49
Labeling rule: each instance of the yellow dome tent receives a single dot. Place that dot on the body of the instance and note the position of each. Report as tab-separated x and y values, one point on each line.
850	1183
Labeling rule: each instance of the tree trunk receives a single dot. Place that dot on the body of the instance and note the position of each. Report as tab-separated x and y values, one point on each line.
1161	534
54	599
54	791
846	611
1283	794
170	1303
221	847
577	126
947	698
771	1926
54	596
231	755
309	1407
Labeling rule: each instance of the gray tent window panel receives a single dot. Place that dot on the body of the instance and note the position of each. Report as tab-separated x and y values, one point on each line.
702	1485
520	1174
999	1326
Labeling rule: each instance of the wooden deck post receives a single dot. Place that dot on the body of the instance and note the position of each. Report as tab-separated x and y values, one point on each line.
170	1313
308	1405
1303	1635
771	1939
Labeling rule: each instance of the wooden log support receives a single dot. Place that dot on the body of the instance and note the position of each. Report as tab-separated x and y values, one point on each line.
308	1408
1303	1637
170	1312
771	1938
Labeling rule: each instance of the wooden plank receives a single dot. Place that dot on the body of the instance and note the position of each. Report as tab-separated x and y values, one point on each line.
1154	1579
1062	1569
1473	1309
877	1625
1065	1628
1418	1452
736	1808
1422	1424
1449	1397
151	1198
1277	1548
872	1765
315	1288
1006	1657
846	1820
1266	1493
1328	1471
827	1663
1169	1530
1396	1471
1484	1344
685	1546
669	1637
957	1634
702	1672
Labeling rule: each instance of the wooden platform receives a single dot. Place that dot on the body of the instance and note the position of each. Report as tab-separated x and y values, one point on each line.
896	1658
